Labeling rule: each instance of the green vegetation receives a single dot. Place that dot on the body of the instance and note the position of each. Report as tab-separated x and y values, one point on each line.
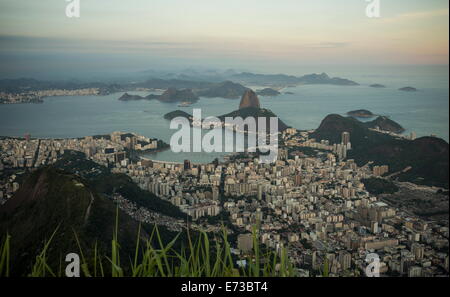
361	113
51	198
325	271
4	256
378	186
103	181
153	258
427	156
386	124
123	185
55	213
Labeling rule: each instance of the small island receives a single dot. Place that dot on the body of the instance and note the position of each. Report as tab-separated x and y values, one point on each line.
324	79
408	89
170	95
128	97
185	104
248	107
379	86
268	92
361	113
175	95
289	93
177	113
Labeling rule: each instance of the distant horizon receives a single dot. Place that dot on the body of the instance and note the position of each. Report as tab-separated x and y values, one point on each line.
265	36
292	70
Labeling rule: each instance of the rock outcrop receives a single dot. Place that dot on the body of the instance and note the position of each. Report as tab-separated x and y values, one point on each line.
249	99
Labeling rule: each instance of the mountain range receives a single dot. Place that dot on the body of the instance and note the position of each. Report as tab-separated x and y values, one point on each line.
290	80
170	95
203	83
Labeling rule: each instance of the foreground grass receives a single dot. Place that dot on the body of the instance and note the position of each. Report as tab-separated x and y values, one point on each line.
201	258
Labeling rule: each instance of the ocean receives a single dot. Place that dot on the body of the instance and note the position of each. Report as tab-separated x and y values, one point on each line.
425	112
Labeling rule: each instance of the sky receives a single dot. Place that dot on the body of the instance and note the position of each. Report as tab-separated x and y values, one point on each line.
269	35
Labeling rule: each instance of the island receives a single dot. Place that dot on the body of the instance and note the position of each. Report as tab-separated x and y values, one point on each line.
408	89
128	97
230	85
256	113
227	89
377	86
249	99
323	79
170	95
175	95
269	92
361	113
248	107
283	80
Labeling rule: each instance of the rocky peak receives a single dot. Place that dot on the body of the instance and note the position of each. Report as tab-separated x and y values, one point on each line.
249	99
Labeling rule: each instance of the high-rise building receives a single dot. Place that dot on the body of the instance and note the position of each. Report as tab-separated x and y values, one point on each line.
119	156
380	170
345	138
298	180
133	142
415	271
374	227
260	192
187	164
343	152
417	250
215	193
345	259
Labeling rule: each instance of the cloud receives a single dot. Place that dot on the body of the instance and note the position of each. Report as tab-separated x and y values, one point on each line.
328	45
54	44
413	16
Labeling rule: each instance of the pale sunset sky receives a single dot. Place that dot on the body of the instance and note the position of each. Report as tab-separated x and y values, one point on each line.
140	34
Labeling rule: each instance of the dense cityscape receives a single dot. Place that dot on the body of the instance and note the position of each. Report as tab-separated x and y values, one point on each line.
38	95
225	148
312	202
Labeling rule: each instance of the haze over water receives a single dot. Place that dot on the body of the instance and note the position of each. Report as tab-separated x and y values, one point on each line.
424	112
